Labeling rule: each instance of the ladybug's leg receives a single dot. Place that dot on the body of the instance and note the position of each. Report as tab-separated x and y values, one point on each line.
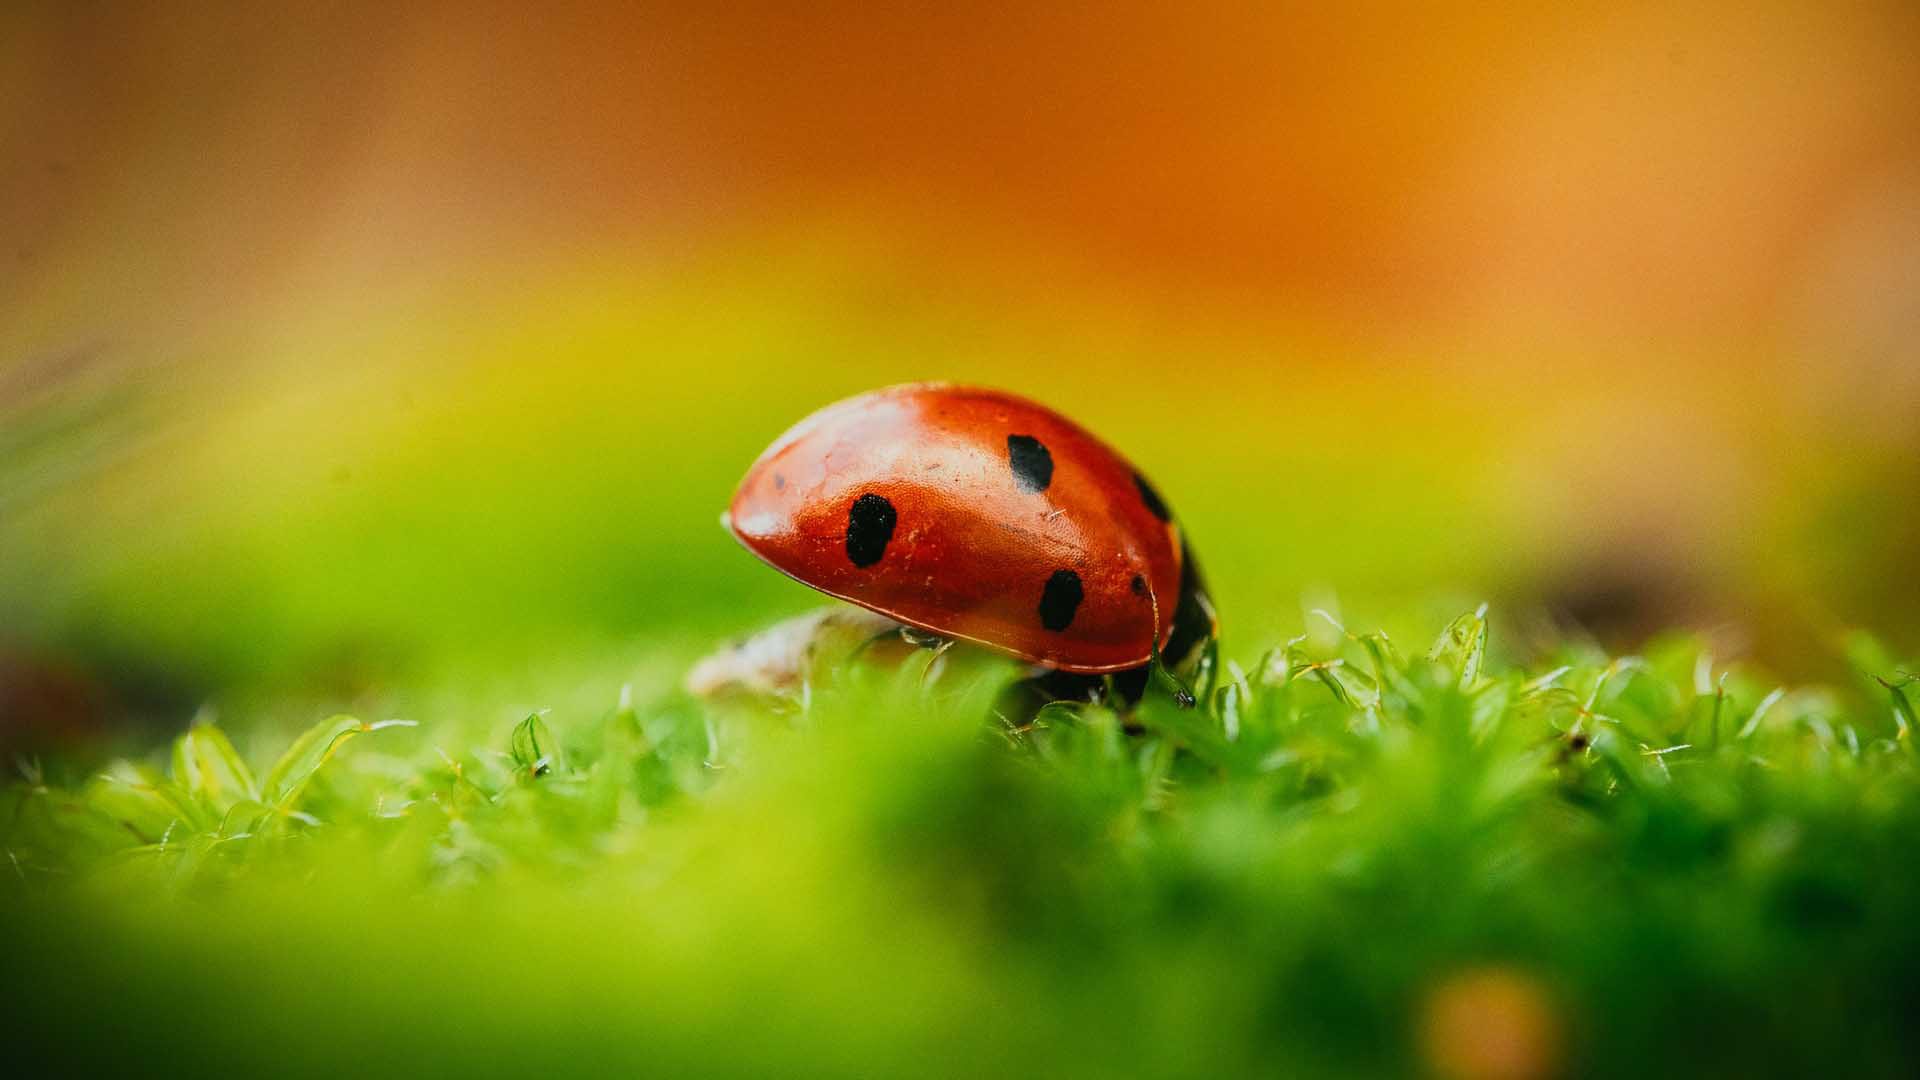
933	661
898	632
1157	671
924	639
914	637
1196	629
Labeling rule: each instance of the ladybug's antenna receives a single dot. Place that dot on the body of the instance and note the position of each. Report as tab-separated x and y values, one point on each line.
1182	696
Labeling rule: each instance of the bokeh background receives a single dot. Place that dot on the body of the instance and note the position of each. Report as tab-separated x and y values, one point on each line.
343	349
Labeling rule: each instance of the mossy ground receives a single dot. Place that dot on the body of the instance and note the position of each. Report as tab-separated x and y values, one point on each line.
1354	858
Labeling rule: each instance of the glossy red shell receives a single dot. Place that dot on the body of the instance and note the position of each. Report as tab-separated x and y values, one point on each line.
973	543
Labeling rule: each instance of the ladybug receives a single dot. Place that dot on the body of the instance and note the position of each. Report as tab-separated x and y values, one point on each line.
974	515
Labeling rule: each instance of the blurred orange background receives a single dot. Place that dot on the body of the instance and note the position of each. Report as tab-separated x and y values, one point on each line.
1623	172
1608	309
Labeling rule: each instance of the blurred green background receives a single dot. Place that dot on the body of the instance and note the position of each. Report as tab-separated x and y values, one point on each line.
398	360
337	345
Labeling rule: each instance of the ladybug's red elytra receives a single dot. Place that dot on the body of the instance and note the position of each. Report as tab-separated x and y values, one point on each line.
977	515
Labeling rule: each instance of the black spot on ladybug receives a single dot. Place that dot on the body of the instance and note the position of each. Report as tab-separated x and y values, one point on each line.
1031	461
1139	585
1060	600
779	482
869	527
1155	504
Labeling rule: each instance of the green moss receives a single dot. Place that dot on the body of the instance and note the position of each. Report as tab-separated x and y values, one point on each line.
1679	868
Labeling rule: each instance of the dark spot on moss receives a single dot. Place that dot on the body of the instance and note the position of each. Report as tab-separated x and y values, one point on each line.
1155	504
1060	599
1031	461
869	528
